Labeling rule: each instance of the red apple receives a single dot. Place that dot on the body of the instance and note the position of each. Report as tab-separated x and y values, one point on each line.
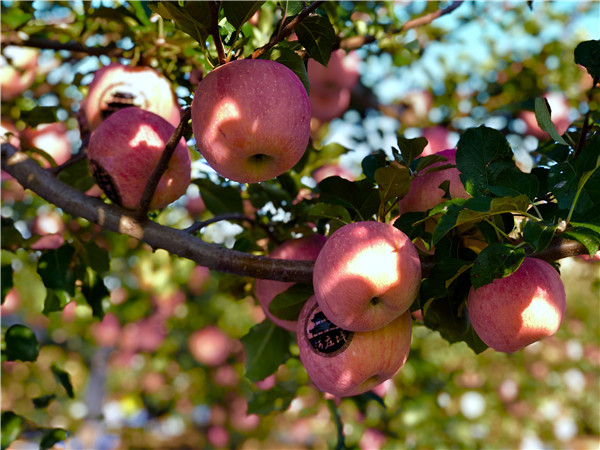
326	106
366	275
345	363
210	345
331	170
438	139
199	278
118	86
522	308
305	248
559	114
195	205
424	191
123	152
18	66
107	332
51	138
251	119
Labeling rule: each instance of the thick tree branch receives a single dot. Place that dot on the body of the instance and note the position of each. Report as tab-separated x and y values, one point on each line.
162	165
178	242
286	30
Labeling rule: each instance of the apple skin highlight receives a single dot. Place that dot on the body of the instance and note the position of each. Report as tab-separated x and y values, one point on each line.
520	309
251	119
345	363
367	274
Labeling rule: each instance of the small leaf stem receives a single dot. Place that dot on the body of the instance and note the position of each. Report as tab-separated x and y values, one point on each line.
215	5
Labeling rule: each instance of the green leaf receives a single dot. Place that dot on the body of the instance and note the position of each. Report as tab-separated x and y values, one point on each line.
288	304
274	399
56	299
94	290
63	378
586	235
291	60
587	54
11	238
495	261
539	234
54	266
317	36
372	162
21	344
337	215
96	257
12	426
193	18
393	181
423	162
43	401
52	436
238	13
267	347
220	199
78	175
30	287
544	120
15	17
411	148
563	180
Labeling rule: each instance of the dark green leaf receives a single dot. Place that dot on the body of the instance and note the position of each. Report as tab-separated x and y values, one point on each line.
6	281
193	18
52	436
293	7
11	238
56	299
587	54
21	344
94	290
393	181
291	60
220	199
317	36
43	401
373	162
587	236
238	13
54	266
539	234
267	347
288	304
337	215
411	148
63	378
12	426
39	115
544	120
274	399
423	162
96	257
562	182
495	261
78	175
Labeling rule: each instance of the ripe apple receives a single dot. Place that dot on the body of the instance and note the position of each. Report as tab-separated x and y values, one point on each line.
210	345
51	138
18	66
306	248
424	191
522	308
559	106
438	139
198	279
345	363
251	119
366	275
195	205
123	152
117	86
326	106
107	332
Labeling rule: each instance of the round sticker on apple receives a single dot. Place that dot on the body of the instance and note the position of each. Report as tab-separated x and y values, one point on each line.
325	338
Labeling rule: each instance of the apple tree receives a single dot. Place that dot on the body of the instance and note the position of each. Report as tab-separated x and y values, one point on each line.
182	181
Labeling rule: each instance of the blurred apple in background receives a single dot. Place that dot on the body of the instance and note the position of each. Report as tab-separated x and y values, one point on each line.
331	170
51	138
50	226
107	332
330	86
559	115
144	335
345	363
166	303
198	279
11	304
18	67
118	86
306	248
195	205
210	345
438	139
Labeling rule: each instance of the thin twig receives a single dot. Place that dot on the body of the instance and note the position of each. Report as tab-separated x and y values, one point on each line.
215	5
71	46
287	30
162	165
233	216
